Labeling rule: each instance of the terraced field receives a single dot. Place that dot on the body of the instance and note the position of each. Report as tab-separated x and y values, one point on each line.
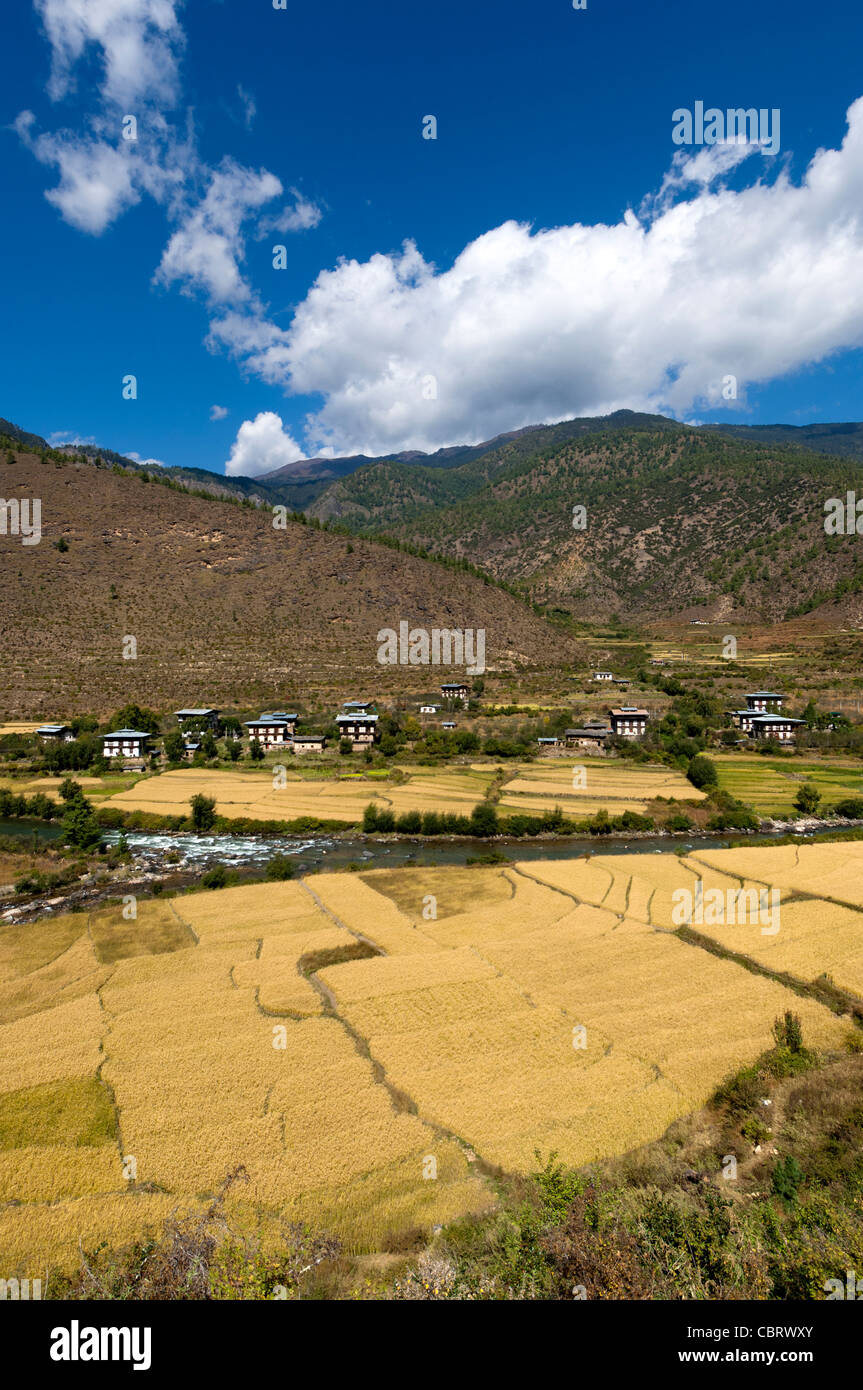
585	785
770	785
358	1040
530	787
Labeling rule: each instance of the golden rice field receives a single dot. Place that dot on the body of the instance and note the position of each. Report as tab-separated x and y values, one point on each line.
532	787
253	795
496	1011
585	785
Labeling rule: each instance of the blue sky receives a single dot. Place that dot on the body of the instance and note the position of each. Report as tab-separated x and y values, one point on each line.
523	294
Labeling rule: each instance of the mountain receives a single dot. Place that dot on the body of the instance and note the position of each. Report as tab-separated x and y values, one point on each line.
844	440
224	608
677	518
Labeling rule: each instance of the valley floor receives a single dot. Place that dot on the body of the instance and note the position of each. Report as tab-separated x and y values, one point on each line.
372	1047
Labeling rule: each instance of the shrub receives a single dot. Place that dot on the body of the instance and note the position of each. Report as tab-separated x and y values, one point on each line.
280	867
702	773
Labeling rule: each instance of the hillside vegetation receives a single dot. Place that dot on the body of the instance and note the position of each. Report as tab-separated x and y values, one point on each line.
224	608
675	518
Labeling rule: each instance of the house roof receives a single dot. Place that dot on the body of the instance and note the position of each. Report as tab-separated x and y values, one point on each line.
776	719
455	685
354	718
52	728
764	695
277	721
310	738
189	713
357	704
587	732
126	733
630	710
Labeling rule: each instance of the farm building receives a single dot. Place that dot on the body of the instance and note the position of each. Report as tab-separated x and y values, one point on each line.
776	726
447	723
126	743
272	730
592	735
359	728
358	706
309	743
548	745
603	676
197	718
764	700
742	718
456	690
629	721
55	733
429	709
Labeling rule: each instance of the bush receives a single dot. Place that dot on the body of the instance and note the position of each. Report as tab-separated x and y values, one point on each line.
215	878
787	1177
702	773
280	867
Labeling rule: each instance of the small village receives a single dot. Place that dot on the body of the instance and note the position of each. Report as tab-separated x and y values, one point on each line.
356	727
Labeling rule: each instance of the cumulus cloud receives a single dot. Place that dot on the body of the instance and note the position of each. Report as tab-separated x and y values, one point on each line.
96	182
301	216
535	325
207	248
138	43
136	46
218	412
262	445
136	458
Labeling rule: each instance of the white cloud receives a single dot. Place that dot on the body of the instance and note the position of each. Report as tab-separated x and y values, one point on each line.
136	458
537	325
68	437
138	44
218	412
262	445
247	101
301	217
207	248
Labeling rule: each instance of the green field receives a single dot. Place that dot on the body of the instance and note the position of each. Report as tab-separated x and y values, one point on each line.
769	785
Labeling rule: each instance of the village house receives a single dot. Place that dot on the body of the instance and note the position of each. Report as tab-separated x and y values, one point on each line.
429	709
309	743
358	707
198	719
456	690
55	733
764	700
447	723
775	726
603	676
592	736
629	721
742	718
272	730
361	729
126	743
547	745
